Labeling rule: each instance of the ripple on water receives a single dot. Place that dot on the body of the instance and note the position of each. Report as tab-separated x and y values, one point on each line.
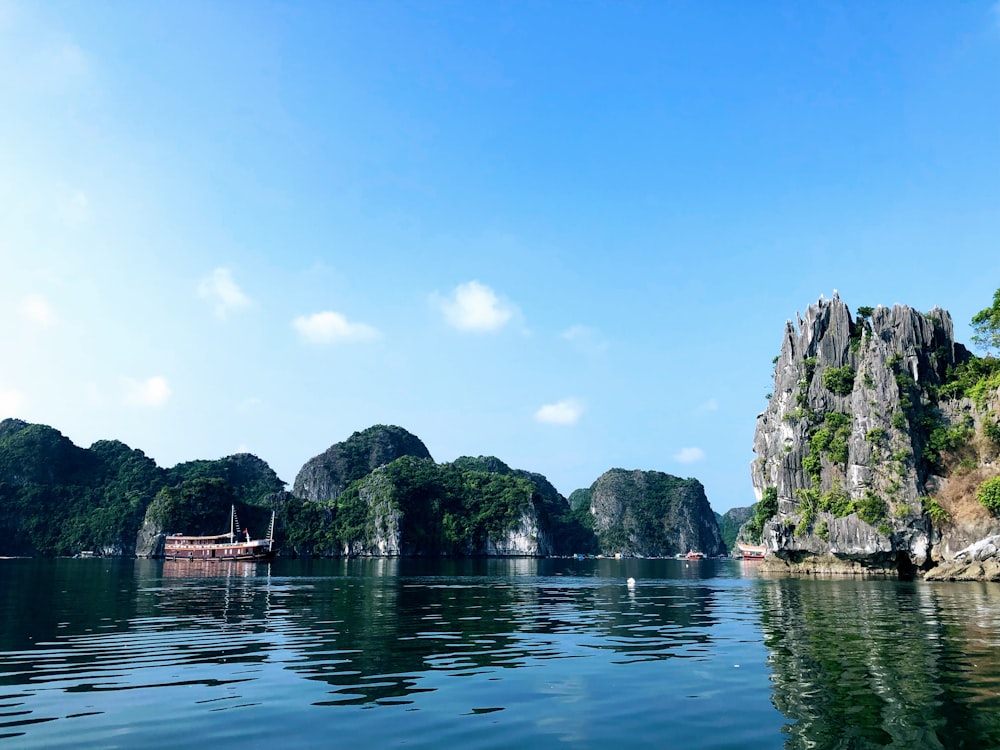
526	660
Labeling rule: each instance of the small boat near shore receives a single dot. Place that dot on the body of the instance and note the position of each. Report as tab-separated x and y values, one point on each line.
693	555
751	551
227	546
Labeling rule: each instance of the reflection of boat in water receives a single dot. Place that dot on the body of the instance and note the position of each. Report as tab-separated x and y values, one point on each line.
213	568
221	546
751	551
693	555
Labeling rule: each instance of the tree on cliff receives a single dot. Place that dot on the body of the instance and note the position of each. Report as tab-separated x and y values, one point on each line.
986	324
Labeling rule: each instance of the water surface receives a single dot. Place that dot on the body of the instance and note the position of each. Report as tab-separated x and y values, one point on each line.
489	654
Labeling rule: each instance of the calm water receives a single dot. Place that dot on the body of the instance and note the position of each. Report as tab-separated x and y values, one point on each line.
489	654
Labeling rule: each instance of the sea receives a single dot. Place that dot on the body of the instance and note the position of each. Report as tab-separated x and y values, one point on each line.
490	653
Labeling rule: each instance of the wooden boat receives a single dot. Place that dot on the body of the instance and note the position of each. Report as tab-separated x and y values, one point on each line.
751	551
692	555
226	546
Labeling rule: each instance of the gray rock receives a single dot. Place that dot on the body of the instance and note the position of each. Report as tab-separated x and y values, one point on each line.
327	475
882	450
652	514
150	539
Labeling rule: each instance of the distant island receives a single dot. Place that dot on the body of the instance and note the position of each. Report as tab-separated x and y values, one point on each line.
878	454
377	493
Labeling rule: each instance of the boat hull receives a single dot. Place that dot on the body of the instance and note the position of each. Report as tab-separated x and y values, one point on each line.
251	551
751	552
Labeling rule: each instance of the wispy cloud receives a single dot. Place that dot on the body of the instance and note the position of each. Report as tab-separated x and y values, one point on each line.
222	290
56	65
475	308
35	308
710	405
689	455
565	412
585	339
11	401
332	328
73	206
93	395
249	404
64	61
152	392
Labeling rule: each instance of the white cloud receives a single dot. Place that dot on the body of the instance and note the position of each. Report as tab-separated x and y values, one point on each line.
223	291
152	392
710	405
36	309
331	328
11	401
565	412
476	308
689	455
585	339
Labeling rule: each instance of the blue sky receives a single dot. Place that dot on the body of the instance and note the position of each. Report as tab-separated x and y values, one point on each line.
566	234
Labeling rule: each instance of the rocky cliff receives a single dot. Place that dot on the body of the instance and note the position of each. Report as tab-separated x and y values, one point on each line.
730	523
327	475
858	448
414	507
59	499
652	514
378	493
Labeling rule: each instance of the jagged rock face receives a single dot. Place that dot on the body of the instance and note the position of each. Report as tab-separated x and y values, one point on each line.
826	440
652	514
526	540
150	540
970	522
327	475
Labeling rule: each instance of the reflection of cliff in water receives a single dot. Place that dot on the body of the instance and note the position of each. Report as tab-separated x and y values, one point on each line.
860	664
59	598
377	638
375	630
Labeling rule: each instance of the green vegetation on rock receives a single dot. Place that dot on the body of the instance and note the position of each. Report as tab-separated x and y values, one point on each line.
871	508
650	513
839	380
730	523
436	509
59	499
934	511
986	325
831	439
988	494
763	511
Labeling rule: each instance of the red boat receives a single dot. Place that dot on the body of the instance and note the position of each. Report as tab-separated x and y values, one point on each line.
221	546
692	555
751	551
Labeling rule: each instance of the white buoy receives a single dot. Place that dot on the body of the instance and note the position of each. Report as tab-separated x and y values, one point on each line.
631	583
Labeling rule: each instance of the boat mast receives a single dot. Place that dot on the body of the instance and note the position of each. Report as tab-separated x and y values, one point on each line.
270	534
232	523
